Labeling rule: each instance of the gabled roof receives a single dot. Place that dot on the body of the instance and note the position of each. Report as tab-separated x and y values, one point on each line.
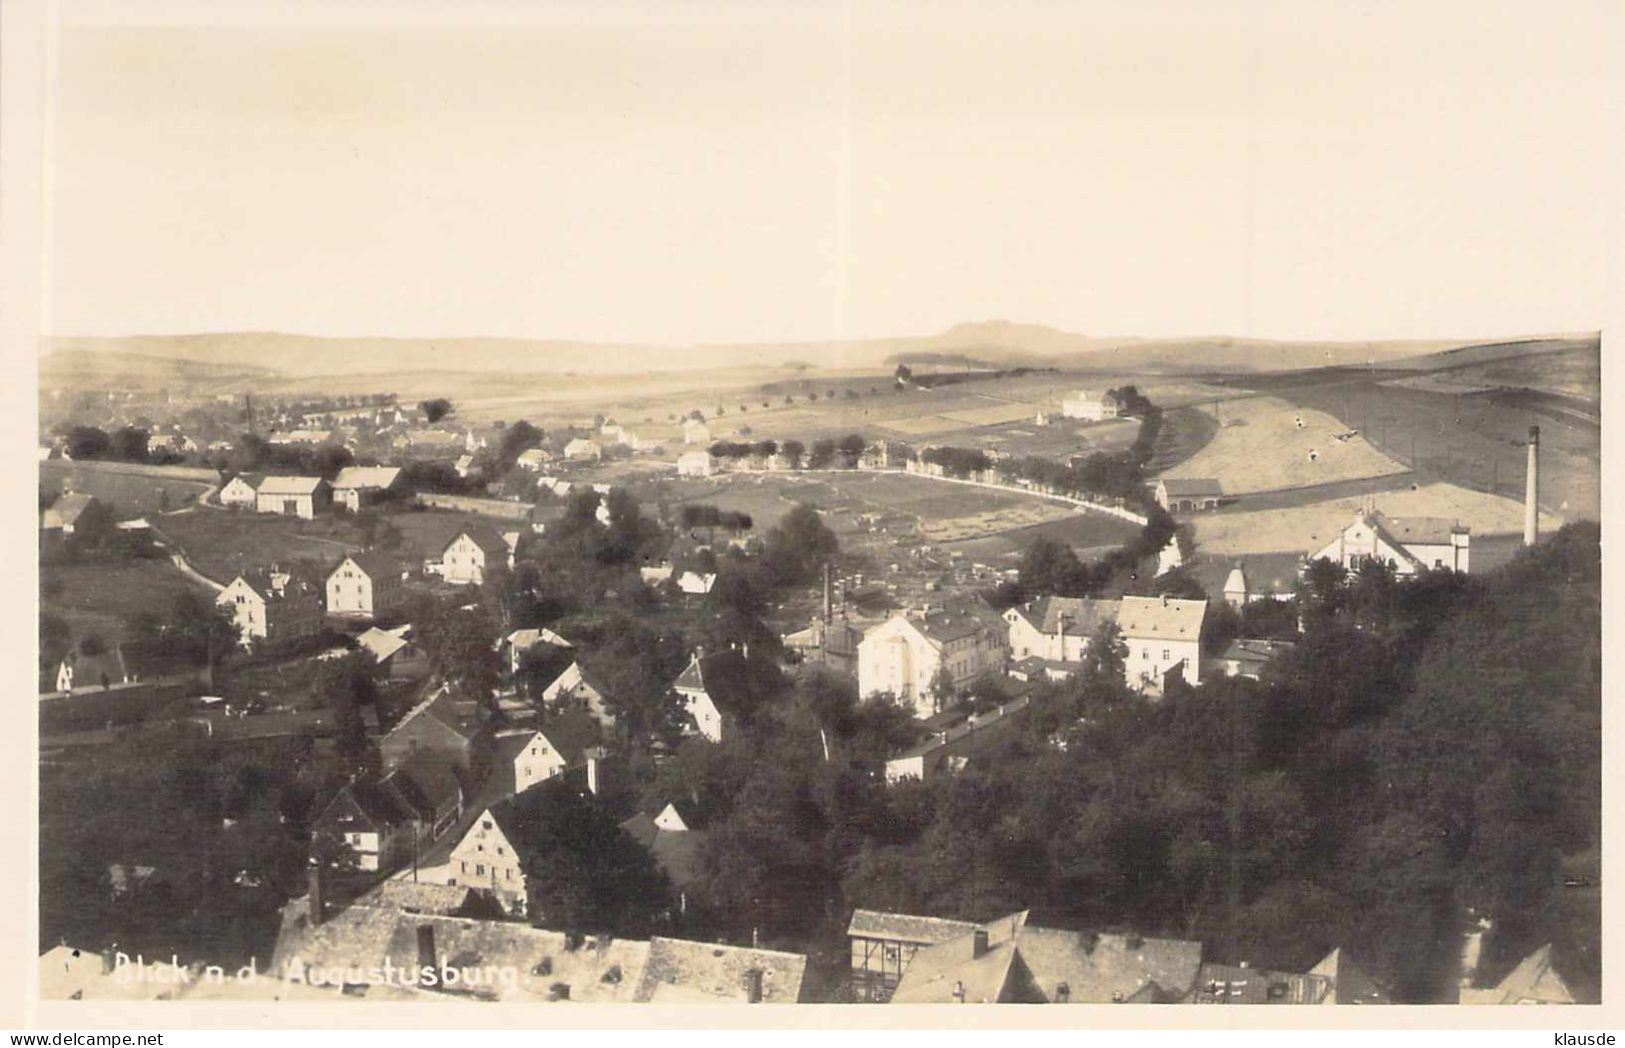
431	780
526	639
483	536
1161	618
906	927
437	706
88	669
1533	980
253	480
676	852
1424	531
1107	968
1082	615
681	971
1233	984
68	508
277	485
951	971
725	678
1350	983
1191	486
366	477
383	643
374	565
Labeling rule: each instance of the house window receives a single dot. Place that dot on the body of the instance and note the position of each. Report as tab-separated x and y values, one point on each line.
479	869
485	825
1164	654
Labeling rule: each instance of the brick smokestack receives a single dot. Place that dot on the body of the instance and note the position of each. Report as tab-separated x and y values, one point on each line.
1531	492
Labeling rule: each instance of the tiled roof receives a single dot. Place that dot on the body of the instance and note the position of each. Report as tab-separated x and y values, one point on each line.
679	970
1231	984
483	536
1430	531
951	972
1247	649
383	643
726	679
906	927
1350	983
289	485
374	565
1083	615
1197	486
1161	618
366	477
1106	968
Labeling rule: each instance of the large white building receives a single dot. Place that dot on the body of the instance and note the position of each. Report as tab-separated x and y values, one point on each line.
1056	629
364	584
1164	637
302	497
1091	406
1408	545
472	554
902	656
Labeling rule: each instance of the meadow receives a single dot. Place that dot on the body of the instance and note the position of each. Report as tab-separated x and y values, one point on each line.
130	493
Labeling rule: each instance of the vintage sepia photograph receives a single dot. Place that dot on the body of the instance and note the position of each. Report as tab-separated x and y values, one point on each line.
817	503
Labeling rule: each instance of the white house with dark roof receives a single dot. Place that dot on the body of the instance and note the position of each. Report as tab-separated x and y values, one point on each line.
357	486
1056	629
475	551
1188	494
364	584
1163	635
301	497
272	606
241	491
1409	545
902	656
1090	406
583	449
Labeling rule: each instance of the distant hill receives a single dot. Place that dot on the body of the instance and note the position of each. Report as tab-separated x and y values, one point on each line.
112	369
994	344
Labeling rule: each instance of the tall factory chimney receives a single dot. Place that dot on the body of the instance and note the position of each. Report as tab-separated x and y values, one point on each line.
1531	493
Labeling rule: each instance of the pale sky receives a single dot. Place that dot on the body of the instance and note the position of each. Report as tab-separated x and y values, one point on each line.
796	171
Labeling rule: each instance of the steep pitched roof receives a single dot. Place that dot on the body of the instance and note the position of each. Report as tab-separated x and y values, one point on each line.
381	477
1162	618
1083	615
951	971
682	971
68	508
726	679
1233	984
253	480
427	780
1107	968
1533	980
88	669
1427	531
373	564
383	643
1350	983
483	536
906	927
278	485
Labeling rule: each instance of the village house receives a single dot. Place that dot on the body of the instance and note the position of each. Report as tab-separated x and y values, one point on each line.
718	690
582	449
475	551
69	512
365	584
272	606
414	926
356	487
696	464
833	644
525	758
241	491
695	431
534	460
516	644
435	730
1164	637
394	653
912	960
1408	545
696	584
675	848
392	819
912	653
574	689
1187	494
301	497
1091	407
1533	981
1246	657
1056	629
302	437
91	664
948	750
488	858
464	465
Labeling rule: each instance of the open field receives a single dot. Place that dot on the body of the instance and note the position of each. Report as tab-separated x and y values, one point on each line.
104	598
1059	440
1265	444
1477	440
1084	532
222	543
1304	529
1185	431
131	494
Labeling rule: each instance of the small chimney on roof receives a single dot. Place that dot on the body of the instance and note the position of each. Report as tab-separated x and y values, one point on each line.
318	892
426	953
979	943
